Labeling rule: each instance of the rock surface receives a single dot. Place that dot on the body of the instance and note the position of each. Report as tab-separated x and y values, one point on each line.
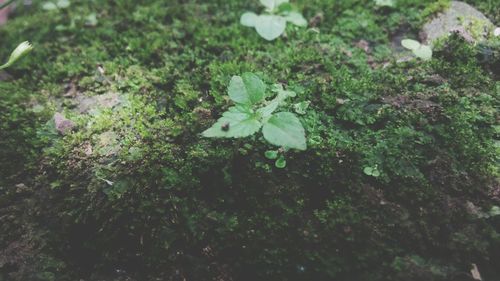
86	104
63	125
459	17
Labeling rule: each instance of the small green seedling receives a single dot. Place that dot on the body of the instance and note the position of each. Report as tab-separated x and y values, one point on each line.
419	50
385	3
20	51
53	5
301	107
495	211
278	156
372	171
253	112
272	23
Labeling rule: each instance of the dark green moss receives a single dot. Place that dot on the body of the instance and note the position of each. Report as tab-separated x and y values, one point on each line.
135	192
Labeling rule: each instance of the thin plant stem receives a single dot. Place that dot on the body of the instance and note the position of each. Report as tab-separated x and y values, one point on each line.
4	5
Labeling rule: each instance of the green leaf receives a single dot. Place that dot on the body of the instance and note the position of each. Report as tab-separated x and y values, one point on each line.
385	3
368	171
301	107
91	20
247	89
424	52
284	129
48	6
284	8
372	171
20	51
63	4
271	154
410	44
270	27
272	4
269	109
296	18
237	122
249	19
495	211
280	162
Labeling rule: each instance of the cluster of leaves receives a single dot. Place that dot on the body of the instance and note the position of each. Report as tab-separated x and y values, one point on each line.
272	23
139	182
421	51
253	112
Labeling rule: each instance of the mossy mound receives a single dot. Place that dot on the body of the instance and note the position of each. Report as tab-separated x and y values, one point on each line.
135	193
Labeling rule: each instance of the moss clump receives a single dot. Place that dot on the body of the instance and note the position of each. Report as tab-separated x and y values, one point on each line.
134	192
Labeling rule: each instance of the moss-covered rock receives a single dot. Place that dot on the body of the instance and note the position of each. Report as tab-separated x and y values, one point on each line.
134	192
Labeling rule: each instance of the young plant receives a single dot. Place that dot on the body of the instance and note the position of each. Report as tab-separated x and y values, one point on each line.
277	155
21	50
253	112
53	5
372	171
272	23
421	51
385	3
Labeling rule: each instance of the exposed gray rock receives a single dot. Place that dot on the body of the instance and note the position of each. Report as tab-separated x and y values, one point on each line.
63	125
87	104
459	17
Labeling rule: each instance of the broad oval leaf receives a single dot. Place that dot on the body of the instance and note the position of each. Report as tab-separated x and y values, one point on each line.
284	129
237	122
249	19
410	44
296	18
247	89
424	52
270	27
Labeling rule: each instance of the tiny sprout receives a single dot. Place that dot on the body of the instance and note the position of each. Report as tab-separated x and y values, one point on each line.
419	50
372	171
272	23
280	162
271	154
21	50
384	3
60	4
495	211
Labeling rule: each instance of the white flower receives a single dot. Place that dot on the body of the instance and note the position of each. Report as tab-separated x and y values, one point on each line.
21	50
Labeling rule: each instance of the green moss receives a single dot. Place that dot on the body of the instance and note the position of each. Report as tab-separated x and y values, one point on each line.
134	191
436	7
